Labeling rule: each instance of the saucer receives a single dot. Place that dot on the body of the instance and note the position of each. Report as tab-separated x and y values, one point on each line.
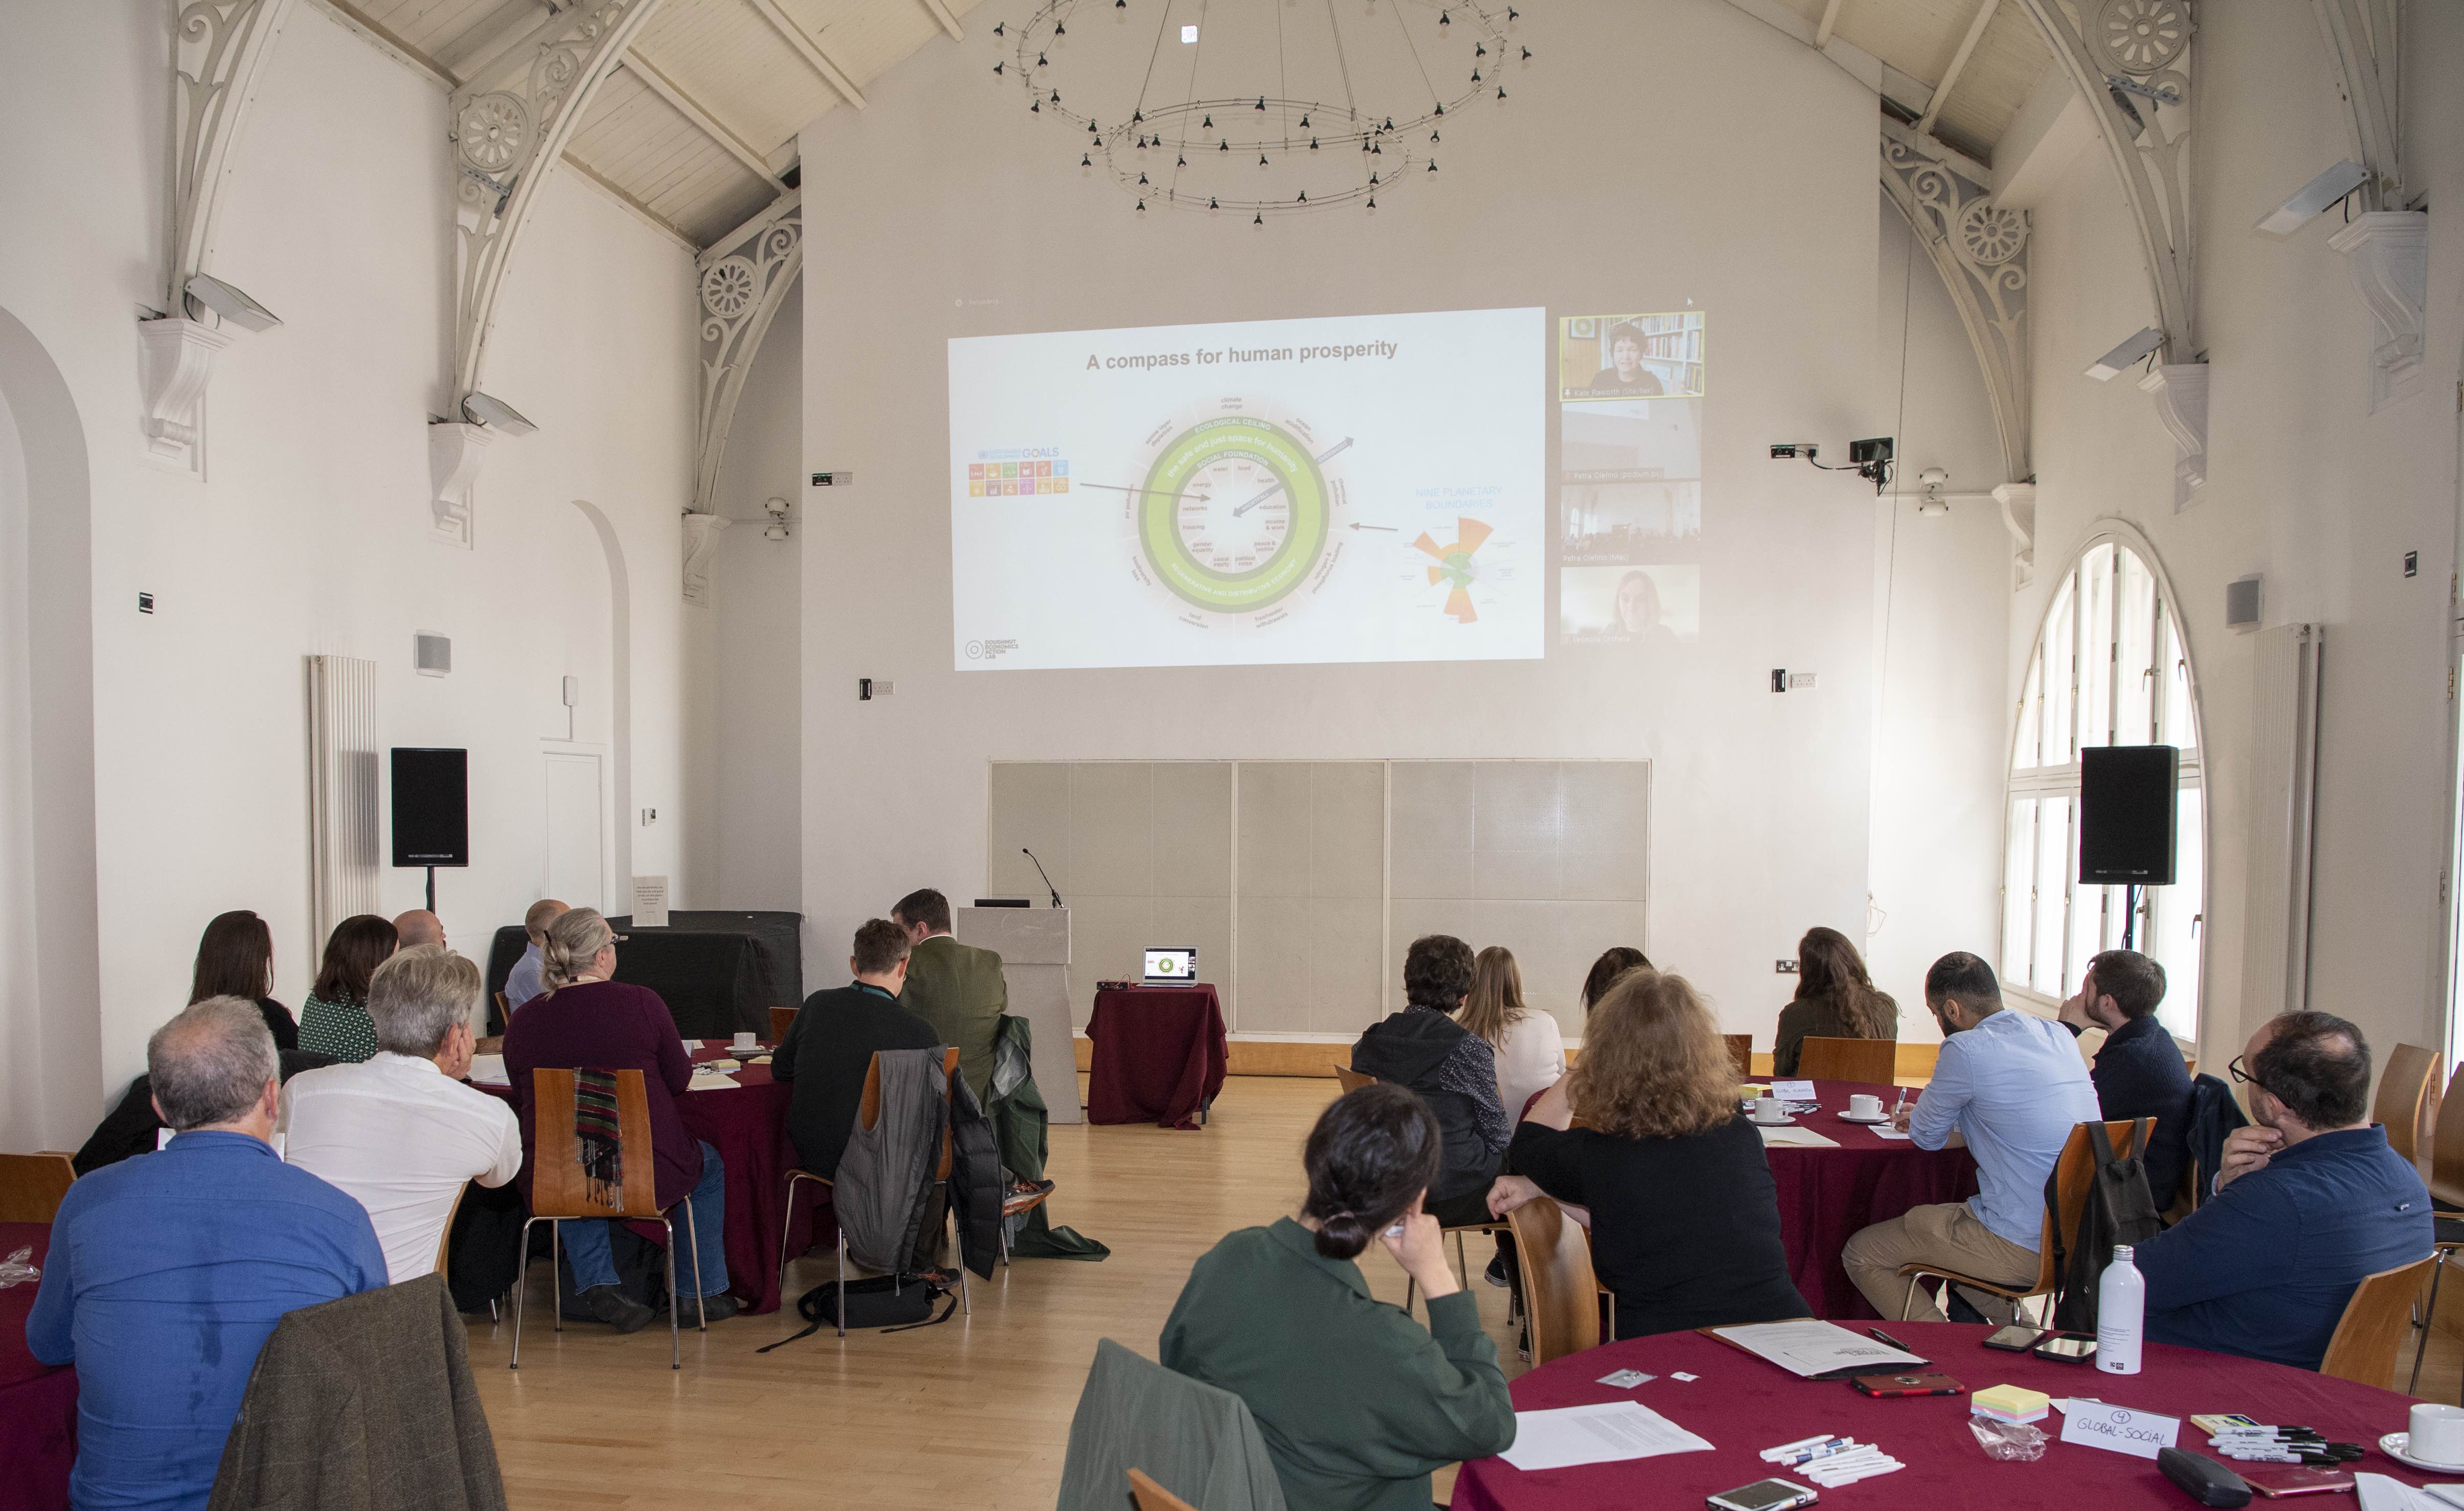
2394	1444
1768	1123
1876	1121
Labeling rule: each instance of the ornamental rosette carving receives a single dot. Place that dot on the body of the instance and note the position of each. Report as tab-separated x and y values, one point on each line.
493	132
2139	37
1980	250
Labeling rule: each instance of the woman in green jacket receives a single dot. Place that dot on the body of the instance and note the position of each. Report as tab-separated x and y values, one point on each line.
1357	1402
333	1021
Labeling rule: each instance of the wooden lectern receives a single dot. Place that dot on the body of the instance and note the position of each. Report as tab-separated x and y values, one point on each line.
1034	947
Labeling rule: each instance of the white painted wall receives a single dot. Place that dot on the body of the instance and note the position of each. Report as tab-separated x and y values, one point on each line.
2305	487
1764	803
310	534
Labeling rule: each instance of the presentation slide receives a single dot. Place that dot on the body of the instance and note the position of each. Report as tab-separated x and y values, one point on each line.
1351	489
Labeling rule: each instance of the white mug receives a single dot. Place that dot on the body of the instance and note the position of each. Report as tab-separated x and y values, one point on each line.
2437	1433
745	1042
1767	1110
1863	1106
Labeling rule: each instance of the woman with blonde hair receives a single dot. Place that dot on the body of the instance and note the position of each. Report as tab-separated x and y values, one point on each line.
1530	1052
1835	999
1684	1214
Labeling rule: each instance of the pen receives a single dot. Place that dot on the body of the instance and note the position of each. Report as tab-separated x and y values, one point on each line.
1896	1106
1880	1336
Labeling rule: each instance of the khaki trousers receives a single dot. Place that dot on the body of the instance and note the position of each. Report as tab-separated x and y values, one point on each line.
1949	1236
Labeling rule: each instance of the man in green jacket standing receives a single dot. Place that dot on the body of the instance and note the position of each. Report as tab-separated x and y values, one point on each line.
958	989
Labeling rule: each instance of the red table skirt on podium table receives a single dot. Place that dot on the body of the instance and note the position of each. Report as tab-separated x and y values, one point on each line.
1158	1055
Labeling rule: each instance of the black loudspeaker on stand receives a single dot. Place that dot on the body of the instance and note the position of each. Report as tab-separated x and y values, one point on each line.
432	810
2127	822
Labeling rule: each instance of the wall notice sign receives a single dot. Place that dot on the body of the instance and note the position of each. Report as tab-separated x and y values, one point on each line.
2140	1434
650	902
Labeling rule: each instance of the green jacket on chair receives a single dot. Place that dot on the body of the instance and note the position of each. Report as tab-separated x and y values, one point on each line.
959	989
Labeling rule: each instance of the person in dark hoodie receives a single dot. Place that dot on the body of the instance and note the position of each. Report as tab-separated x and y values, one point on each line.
1451	1068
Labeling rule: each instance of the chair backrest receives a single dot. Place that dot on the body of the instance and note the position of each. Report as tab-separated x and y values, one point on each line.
1558	1285
558	1188
2408	1100
2447	1147
1873	1061
1153	1497
1741	1053
2375	1322
445	1240
1352	1079
868	1107
1137	1419
782	1019
2073	1174
32	1186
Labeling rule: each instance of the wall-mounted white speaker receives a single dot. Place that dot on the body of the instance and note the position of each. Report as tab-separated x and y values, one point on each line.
430	655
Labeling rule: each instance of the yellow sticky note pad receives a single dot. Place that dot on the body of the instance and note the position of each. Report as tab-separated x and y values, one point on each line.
2011	1403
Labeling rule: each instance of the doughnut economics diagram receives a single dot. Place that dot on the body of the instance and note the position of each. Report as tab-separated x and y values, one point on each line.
1233	513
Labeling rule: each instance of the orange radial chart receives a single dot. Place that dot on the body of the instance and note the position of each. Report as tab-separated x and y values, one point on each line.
1454	566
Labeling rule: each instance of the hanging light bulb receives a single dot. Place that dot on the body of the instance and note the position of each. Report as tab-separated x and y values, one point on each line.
1432	136
998	26
1142	206
1224	146
1312	143
1262	102
997	68
1262	160
1035	107
1433	164
1441	110
1372	203
1479	50
1373	181
1182	163
1475	76
1304	198
1512	15
1304	122
1207	124
1086	159
1211	204
1057	29
1258	219
1527	55
1142	180
1056	97
1136	116
1500	91
1442	20
1042	61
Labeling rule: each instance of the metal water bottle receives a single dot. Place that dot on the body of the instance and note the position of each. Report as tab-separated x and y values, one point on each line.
2121	1307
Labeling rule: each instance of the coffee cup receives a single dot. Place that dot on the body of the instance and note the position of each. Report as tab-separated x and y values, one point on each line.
1861	1104
2437	1435
1767	1110
746	1042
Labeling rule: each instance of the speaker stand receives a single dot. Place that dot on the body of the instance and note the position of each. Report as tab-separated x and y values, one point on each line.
2129	916
432	900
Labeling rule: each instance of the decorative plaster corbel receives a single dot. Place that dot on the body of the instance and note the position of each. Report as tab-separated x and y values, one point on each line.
2019	501
2390	252
457	451
701	543
2181	393
179	354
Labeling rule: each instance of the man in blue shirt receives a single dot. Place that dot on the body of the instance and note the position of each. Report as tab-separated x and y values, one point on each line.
168	1271
2138	1071
522	981
2309	1201
2011	1087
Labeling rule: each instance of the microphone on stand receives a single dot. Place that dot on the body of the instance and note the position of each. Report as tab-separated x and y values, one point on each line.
1040	872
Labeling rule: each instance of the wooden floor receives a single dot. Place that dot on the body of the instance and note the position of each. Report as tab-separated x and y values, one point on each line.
974	1412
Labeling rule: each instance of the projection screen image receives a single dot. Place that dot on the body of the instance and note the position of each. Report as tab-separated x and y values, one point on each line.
1359	487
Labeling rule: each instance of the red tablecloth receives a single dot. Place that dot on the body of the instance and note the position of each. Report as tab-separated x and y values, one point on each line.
748	1126
1158	1055
38	1401
1826	1194
1744	1406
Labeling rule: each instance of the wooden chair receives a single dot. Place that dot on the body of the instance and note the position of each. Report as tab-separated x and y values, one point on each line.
1352	1079
868	1113
1153	1497
2072	1173
782	1019
504	1013
2408	1101
1741	1054
560	1193
1561	1294
2368	1335
33	1185
1872	1060
2446	1176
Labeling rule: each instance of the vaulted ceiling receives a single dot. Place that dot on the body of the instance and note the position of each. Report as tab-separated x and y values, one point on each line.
699	126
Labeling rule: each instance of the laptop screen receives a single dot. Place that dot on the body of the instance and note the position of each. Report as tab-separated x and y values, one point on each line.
1172	965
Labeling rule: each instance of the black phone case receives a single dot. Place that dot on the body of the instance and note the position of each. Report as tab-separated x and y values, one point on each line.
2208	1482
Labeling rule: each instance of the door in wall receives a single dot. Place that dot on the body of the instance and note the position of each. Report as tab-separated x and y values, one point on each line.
576	853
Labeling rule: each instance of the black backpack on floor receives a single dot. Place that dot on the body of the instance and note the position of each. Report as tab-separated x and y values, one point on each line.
872	1302
2119	1210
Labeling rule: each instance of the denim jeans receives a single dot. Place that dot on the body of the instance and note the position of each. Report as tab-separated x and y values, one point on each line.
594	1263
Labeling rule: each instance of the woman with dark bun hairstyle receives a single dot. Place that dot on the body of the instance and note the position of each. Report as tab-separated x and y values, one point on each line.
1357	1402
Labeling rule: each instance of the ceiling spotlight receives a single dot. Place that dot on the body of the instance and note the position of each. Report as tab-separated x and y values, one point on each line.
496	414
2327	189
1188	34
2129	353
228	304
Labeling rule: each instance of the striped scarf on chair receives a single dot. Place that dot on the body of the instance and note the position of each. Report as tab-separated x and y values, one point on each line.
595	1140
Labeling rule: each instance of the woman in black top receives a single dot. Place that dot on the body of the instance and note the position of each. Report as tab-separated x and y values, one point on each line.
1684	1217
1835	999
235	958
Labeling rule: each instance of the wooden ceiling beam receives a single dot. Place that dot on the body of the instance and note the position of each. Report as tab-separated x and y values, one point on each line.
1830	21
483	43
941	12
1958	65
701	115
811	52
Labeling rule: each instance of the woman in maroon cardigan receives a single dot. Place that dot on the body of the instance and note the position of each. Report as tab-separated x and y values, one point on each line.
585	1019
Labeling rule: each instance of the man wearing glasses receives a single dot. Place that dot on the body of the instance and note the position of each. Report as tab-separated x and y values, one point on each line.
2308	1201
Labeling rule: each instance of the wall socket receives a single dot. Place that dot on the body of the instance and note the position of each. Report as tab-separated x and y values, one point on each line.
650	817
1784	967
867	689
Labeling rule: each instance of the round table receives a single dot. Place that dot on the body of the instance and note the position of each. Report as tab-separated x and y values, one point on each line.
38	1401
1826	1194
1743	1406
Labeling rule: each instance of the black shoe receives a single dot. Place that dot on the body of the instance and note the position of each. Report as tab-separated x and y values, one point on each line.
1495	1273
615	1308
713	1309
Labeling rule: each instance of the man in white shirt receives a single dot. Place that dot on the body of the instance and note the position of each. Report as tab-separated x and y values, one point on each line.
400	1132
523	983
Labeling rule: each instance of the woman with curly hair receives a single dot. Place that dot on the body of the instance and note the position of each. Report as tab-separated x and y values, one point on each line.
1684	1217
1835	999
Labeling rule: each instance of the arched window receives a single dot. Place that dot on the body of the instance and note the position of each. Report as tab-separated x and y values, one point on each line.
2110	667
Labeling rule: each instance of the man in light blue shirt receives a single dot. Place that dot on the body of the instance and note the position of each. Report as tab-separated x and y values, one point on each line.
522	982
2011	1087
168	1271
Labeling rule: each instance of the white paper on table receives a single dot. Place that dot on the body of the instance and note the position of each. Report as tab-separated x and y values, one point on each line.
711	1080
1796	1138
1808	1347
1793	1090
1606	1434
488	1070
1891	1133
2428	1498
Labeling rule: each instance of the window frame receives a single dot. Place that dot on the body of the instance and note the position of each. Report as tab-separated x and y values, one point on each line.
2063	780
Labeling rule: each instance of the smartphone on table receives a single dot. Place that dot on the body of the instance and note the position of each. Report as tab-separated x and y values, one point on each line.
2069	1347
2016	1338
1762	1495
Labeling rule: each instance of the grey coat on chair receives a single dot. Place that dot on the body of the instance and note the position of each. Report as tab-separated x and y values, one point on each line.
1195	1440
887	1170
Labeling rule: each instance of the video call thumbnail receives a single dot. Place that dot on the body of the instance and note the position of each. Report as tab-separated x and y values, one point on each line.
1630	440
1609	357
1616	521
1637	605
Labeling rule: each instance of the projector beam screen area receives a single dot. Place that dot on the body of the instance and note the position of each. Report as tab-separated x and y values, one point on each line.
1354	489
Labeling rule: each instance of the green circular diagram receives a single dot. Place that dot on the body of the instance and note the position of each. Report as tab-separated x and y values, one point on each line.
1233	513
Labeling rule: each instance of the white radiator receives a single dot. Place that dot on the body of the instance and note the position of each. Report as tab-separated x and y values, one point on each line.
342	791
2283	784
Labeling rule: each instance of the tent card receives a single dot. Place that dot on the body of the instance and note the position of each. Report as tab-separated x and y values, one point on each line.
2142	1435
1793	1090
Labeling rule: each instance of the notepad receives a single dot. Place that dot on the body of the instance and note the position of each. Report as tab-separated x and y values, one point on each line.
488	1070
711	1080
1606	1434
1796	1138
1806	1348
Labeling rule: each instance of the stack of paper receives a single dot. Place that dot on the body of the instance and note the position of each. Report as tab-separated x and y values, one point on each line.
705	1079
1796	1138
488	1070
1595	1435
1806	1348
